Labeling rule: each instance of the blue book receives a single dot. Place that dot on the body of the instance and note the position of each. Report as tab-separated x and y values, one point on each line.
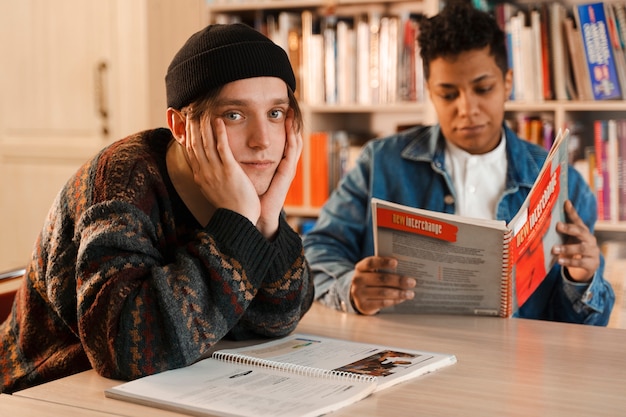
593	25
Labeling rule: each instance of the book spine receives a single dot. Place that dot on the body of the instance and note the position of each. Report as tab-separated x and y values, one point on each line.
621	168
616	46
578	60
547	67
295	195
319	181
599	183
538	71
599	55
517	24
612	147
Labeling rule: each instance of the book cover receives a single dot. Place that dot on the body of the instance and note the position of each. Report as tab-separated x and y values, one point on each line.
299	375
616	45
600	59
460	274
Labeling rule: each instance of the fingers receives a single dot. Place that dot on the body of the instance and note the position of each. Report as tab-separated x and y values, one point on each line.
220	142
580	253
194	145
375	285
295	143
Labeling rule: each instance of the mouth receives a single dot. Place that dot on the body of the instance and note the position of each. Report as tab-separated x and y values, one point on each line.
258	165
470	130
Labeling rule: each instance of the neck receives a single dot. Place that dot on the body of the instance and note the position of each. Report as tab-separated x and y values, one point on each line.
181	176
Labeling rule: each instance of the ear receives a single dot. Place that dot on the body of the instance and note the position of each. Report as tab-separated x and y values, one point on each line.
177	124
508	83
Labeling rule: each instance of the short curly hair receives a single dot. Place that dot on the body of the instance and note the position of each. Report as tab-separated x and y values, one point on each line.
458	28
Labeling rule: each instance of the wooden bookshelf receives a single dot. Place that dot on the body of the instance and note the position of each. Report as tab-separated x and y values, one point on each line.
385	118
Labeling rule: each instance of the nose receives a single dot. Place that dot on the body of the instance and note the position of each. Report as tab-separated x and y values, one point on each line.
259	136
467	104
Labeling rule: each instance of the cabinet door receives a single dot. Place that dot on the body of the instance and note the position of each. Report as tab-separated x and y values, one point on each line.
55	83
55	62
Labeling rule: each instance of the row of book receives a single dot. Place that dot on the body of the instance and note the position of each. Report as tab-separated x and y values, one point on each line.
601	159
537	129
579	53
369	58
607	168
331	155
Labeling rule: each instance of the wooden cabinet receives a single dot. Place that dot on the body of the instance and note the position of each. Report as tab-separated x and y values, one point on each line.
75	76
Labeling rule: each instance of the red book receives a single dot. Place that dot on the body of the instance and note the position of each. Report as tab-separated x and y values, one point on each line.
318	149
295	195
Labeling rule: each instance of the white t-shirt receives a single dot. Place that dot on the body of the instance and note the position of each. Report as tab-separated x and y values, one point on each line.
479	180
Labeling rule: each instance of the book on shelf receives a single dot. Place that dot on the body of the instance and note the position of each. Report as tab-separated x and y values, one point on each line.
592	22
332	154
545	49
608	169
295	194
538	73
601	174
616	45
562	82
476	266
576	54
298	375
621	169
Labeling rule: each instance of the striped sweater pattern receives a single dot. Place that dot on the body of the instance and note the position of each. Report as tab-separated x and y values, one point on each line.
124	280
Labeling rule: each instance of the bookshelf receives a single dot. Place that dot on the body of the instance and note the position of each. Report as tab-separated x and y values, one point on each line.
374	117
385	118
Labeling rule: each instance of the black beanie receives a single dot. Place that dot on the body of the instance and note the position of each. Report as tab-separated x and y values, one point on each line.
219	54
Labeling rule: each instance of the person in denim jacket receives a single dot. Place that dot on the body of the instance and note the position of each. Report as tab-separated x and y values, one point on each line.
437	168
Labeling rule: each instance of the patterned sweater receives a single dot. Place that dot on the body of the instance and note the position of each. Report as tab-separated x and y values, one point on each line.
125	280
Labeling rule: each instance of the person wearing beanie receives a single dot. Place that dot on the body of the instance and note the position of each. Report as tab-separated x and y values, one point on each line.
470	163
169	240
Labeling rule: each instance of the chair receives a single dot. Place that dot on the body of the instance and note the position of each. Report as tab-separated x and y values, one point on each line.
9	283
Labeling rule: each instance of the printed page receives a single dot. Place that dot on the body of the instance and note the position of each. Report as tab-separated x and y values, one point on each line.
534	226
390	365
459	263
212	387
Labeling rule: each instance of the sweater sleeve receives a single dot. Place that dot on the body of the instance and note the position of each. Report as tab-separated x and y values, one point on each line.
141	313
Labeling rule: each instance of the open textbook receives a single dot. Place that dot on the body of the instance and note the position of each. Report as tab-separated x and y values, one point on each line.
476	266
298	375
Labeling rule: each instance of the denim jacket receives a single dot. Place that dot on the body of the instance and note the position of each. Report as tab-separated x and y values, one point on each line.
408	168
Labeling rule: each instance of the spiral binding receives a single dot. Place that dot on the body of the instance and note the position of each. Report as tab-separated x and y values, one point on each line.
293	368
506	287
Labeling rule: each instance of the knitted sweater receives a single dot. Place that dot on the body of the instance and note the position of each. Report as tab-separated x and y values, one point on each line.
125	280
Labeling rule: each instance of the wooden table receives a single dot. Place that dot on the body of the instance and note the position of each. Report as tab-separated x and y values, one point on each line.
506	367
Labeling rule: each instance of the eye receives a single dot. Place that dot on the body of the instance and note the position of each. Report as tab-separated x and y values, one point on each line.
449	96
232	116
484	89
277	114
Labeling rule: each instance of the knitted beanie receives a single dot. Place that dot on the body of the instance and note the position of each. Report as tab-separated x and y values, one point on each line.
219	54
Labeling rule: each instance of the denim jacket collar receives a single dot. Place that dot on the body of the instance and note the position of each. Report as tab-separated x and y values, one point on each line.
429	144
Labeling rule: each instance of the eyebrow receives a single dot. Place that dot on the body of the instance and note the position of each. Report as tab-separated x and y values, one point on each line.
240	102
474	81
